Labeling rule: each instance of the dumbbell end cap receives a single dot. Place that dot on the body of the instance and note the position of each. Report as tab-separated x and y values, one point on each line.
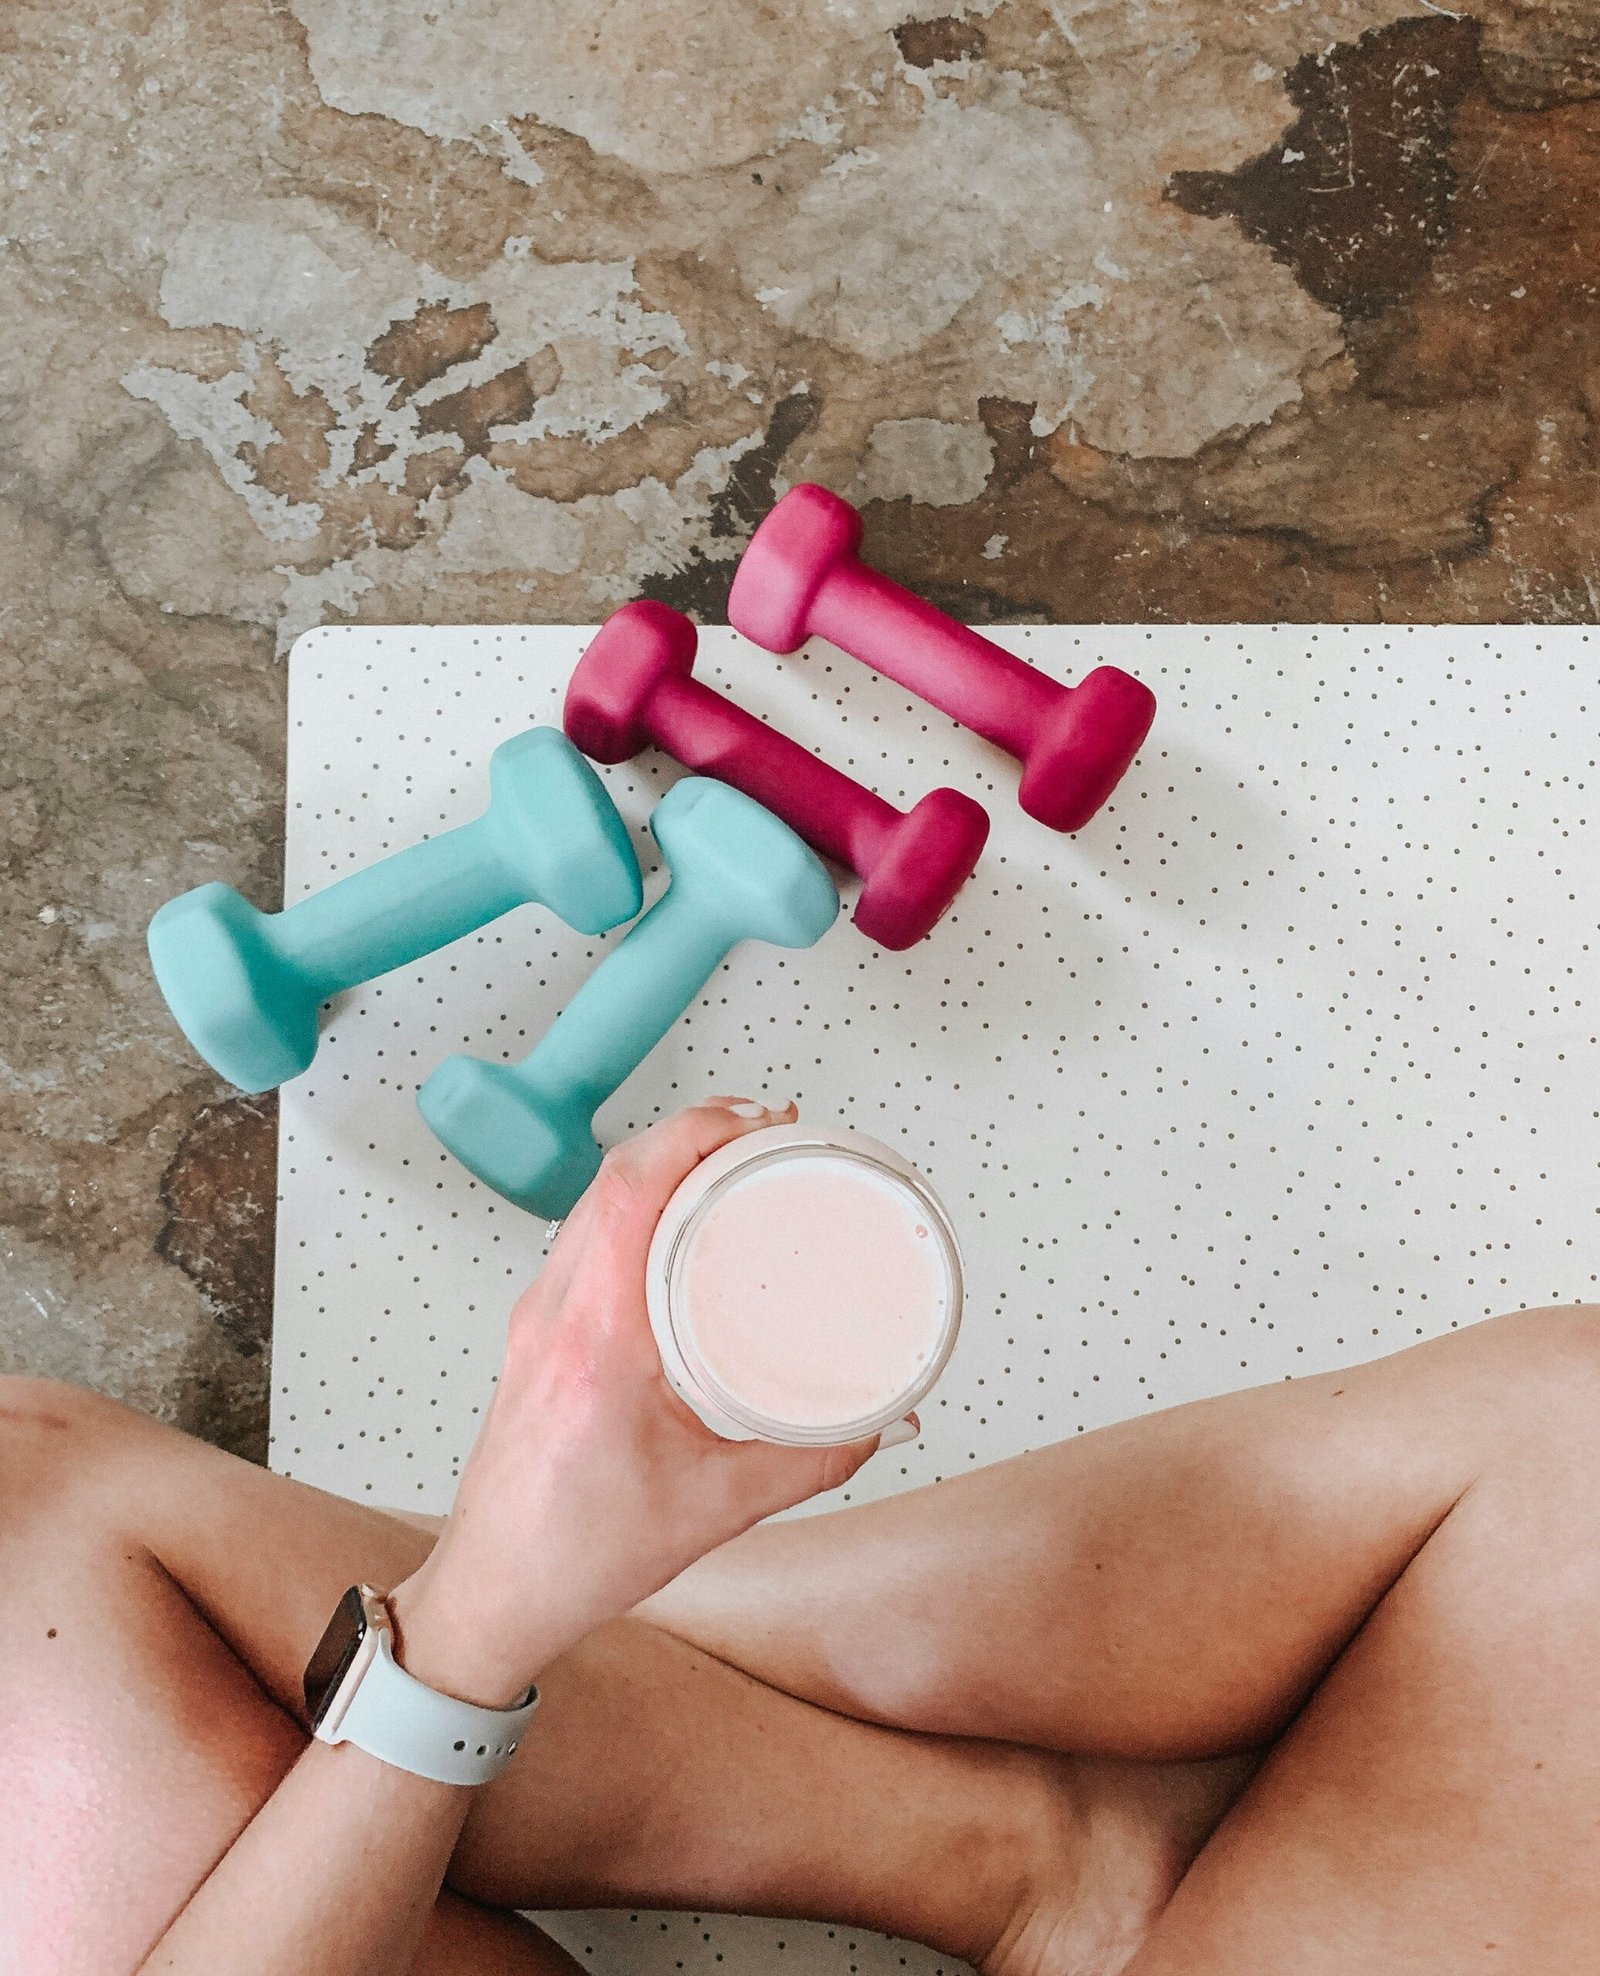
556	825
1078	759
748	871
918	873
788	560
245	1011
493	1122
608	696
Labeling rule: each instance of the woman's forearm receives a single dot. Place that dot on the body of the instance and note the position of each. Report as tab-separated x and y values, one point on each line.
334	1876
337	1873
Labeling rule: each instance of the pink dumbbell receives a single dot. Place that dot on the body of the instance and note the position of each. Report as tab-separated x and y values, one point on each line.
801	575
635	685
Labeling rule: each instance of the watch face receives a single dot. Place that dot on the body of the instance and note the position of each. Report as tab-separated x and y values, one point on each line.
336	1650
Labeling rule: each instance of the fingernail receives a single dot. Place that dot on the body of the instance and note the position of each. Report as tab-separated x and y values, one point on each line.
748	1108
898	1432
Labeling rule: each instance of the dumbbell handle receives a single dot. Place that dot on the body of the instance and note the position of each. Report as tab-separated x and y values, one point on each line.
899	634
839	816
398	909
628	1003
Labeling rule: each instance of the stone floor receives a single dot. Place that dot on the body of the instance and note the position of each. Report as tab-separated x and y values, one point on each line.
349	309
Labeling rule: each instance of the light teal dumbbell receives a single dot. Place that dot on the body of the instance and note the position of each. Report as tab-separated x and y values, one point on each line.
526	1129
246	986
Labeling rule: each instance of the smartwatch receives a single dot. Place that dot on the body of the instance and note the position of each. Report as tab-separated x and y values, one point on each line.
357	1692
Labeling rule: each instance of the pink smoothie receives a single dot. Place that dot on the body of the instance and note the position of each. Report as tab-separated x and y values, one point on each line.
816	1290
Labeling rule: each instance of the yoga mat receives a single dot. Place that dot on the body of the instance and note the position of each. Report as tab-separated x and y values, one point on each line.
1284	1062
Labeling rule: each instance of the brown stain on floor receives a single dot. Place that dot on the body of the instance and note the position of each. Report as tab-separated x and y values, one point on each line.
507	398
701	587
424	346
1445	468
945	39
1357	195
218	1191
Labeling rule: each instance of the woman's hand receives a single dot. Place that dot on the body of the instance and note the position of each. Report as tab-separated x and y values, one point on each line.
591	1483
590	1486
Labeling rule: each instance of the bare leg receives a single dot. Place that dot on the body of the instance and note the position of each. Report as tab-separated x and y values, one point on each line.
655	1774
1391	1571
1175	1586
1291	1517
1436	1808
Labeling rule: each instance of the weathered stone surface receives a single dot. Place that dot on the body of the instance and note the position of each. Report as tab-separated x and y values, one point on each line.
337	310
1357	194
218	1193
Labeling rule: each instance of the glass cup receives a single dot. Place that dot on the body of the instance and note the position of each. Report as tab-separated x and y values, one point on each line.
804	1287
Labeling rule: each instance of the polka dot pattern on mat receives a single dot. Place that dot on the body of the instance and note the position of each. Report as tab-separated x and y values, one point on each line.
1286	1061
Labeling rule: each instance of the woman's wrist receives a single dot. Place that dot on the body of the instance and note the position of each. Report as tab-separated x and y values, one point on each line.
462	1646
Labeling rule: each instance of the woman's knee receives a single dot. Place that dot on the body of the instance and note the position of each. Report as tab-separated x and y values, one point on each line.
1521	1394
59	1441
1543	1364
48	1407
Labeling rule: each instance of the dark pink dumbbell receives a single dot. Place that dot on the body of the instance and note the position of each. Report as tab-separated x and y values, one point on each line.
801	575
635	685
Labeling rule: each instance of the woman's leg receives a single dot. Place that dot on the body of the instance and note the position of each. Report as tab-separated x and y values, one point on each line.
655	1774
1436	1807
1392	1571
134	1745
1175	1586
1287	1522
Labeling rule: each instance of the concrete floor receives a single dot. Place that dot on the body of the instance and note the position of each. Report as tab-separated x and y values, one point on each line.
342	310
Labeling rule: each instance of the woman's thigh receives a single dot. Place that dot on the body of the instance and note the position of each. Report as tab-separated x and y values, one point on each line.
1172	1586
1436	1806
137	1744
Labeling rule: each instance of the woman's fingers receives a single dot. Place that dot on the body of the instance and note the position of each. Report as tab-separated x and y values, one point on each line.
638	1177
615	1218
657	1159
771	1478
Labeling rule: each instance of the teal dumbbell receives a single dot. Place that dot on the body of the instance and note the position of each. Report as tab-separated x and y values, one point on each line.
246	986
526	1129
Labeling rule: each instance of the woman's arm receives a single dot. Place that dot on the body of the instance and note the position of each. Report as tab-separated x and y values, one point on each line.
590	1486
338	1871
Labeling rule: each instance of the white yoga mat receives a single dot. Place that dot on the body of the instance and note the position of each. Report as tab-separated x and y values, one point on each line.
1286	1061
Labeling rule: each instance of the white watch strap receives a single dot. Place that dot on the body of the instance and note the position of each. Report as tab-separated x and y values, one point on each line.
402	1721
